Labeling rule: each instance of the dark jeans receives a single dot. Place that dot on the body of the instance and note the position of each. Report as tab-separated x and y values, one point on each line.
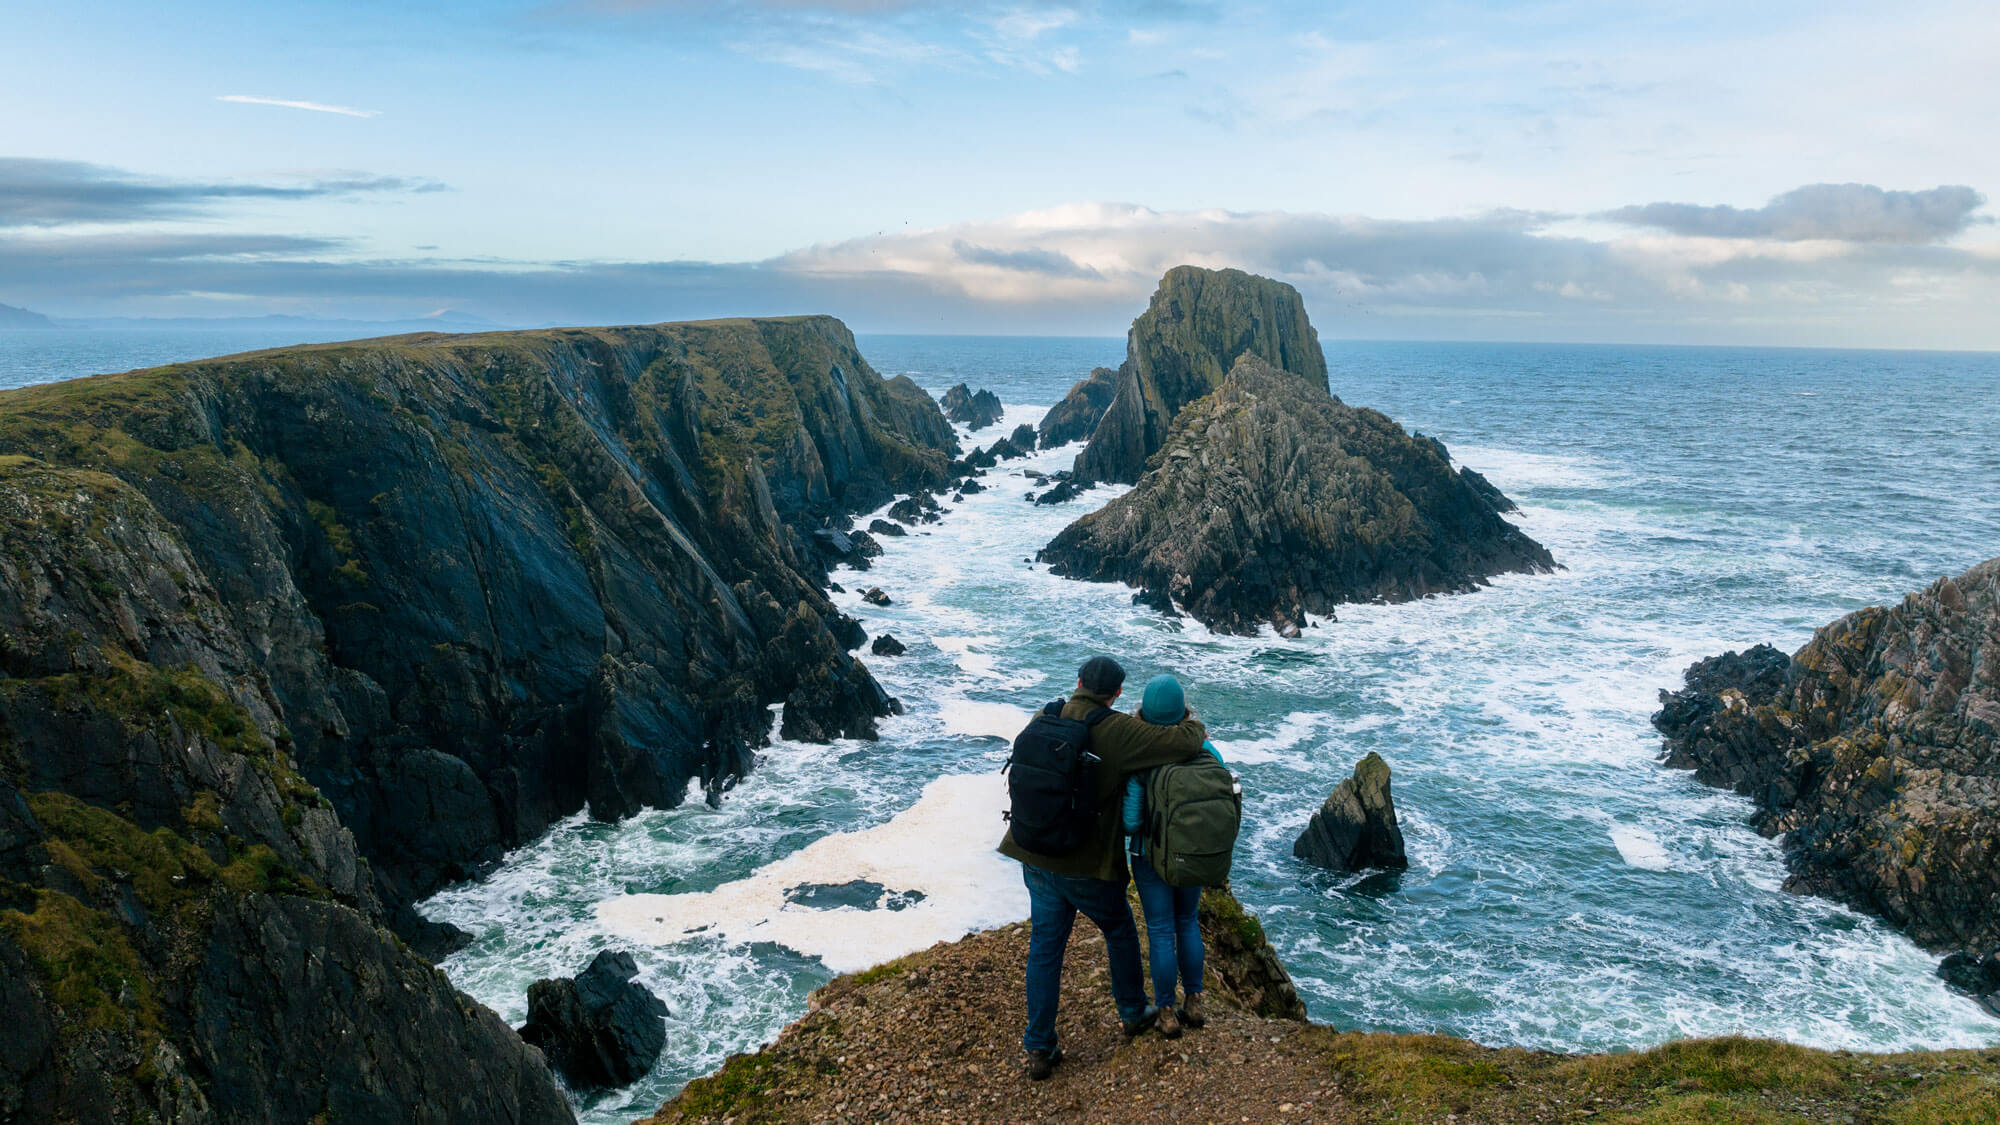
1173	932
1054	901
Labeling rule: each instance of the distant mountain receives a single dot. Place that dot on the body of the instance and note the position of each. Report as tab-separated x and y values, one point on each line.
11	317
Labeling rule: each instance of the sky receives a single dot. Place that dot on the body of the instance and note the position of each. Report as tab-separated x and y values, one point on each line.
1687	172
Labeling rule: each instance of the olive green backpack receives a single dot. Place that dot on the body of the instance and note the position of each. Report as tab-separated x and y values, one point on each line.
1193	812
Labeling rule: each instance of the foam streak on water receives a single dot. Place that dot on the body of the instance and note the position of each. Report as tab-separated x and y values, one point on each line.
1565	890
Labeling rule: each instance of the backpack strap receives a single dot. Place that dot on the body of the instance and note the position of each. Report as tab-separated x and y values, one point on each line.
1097	716
1054	708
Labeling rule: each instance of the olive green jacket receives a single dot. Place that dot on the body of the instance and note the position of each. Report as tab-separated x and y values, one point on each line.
1126	744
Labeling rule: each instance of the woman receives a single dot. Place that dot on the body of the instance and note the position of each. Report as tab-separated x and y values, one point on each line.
1173	926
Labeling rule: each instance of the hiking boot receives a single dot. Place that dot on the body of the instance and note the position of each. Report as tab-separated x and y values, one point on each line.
1145	1022
1169	1025
1191	1010
1041	1064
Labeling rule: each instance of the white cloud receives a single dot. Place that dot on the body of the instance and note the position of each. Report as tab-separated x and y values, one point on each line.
287	103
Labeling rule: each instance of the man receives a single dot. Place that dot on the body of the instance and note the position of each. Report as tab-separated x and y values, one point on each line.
1092	878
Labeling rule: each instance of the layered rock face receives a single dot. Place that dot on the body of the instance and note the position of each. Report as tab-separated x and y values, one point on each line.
1272	499
290	639
1875	751
1200	322
1078	413
1356	828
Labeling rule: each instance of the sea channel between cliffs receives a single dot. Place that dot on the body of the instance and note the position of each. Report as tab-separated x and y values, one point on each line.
1565	891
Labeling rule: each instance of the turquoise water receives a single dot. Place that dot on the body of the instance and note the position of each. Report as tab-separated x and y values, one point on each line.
1565	891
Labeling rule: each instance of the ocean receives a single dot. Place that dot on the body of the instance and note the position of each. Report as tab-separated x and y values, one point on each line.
1565	890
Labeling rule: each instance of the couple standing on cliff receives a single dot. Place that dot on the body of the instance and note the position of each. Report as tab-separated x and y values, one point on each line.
1086	872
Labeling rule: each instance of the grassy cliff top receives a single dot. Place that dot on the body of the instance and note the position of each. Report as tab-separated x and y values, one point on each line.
936	1037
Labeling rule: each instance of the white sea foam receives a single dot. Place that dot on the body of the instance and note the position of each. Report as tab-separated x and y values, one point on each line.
1639	847
939	848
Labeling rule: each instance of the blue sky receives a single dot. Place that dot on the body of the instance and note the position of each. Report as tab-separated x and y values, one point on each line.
1695	172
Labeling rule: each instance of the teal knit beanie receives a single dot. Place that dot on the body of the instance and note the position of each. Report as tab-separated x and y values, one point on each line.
1164	702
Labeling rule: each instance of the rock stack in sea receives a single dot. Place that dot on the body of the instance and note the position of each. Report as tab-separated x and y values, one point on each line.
1875	751
600	1027
1197	325
1078	413
1271	500
1356	827
974	411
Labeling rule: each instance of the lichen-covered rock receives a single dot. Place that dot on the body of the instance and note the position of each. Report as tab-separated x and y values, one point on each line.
973	411
1272	499
1356	828
601	1027
1200	322
1077	414
1875	751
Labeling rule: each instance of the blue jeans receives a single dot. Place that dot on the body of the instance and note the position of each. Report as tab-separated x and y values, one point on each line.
1173	932
1054	901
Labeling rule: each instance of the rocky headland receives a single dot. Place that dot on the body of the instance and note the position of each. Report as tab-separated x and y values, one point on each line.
935	1037
1874	751
1271	499
290	639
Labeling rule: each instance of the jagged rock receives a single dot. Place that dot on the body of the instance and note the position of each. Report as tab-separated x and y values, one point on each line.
568	572
974	411
1200	322
600	1028
1023	438
885	527
919	507
1063	492
1875	752
888	645
1272	499
1005	450
1077	414
1356	827
982	459
874	596
971	485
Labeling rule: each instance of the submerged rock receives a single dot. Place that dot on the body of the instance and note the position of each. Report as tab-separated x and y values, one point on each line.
600	1028
1356	827
888	645
1199	323
1875	752
973	411
1272	499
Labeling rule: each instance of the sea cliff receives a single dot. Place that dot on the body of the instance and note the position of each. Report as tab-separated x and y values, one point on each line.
290	639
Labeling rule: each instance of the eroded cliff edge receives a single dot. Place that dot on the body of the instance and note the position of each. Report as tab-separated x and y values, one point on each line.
1875	751
289	639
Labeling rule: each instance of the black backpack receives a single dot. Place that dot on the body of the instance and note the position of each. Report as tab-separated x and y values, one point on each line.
1052	782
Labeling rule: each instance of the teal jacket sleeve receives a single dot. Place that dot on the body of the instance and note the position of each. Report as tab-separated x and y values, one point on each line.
1135	805
1210	747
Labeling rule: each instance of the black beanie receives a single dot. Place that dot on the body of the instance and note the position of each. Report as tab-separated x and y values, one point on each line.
1102	675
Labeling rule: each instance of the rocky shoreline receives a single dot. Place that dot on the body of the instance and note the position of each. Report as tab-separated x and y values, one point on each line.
1874	751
